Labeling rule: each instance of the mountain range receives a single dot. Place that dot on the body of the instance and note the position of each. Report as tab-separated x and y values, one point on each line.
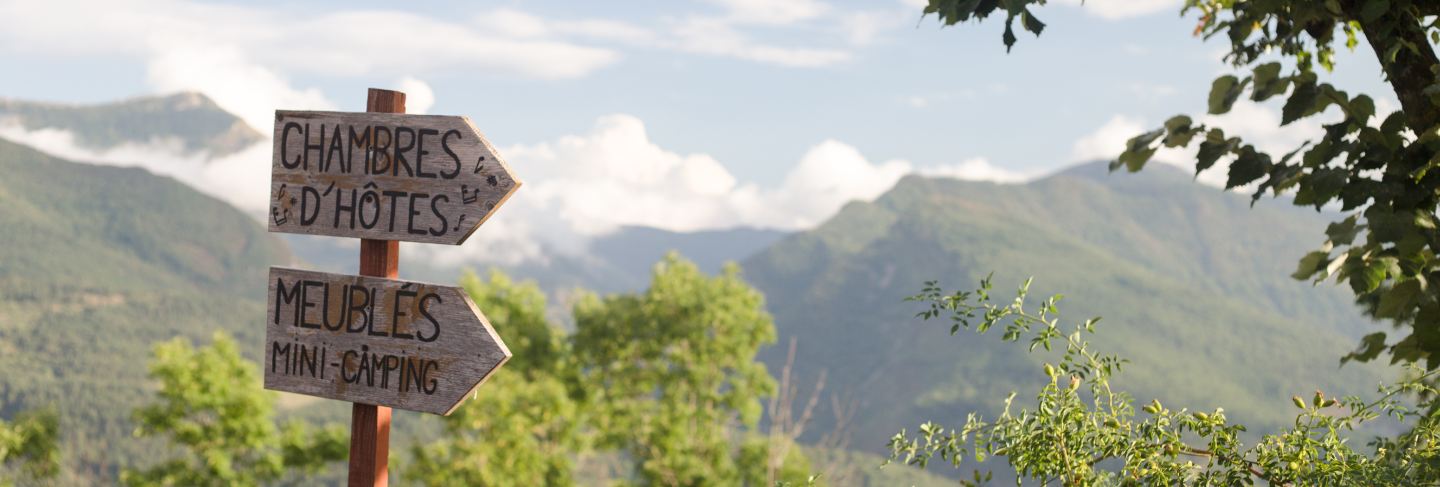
1191	284
97	263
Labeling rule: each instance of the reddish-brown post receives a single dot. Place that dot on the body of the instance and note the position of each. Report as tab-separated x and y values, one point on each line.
370	424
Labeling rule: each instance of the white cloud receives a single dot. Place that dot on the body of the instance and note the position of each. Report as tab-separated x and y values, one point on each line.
340	42
238	85
418	95
864	27
607	30
771	11
581	186
925	101
239	179
1124	9
718	37
980	169
1107	141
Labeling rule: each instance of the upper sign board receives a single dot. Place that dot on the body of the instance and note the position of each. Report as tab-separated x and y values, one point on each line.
385	176
400	344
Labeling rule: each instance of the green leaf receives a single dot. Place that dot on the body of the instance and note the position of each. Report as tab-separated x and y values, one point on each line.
1031	23
1310	264
1301	101
1322	186
1179	131
1212	148
1268	82
1397	299
1247	168
1362	107
1370	347
1223	93
1343	232
1373	9
1369	276
1138	151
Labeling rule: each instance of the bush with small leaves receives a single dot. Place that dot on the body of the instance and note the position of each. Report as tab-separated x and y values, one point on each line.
1080	431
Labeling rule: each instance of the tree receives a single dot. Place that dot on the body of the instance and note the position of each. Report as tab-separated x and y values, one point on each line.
665	380
29	447
212	406
1090	435
1378	169
672	371
524	427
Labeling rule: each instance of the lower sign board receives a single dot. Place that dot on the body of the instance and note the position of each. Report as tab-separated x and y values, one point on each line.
400	344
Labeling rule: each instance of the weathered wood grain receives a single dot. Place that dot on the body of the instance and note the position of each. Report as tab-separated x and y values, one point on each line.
401	344
385	176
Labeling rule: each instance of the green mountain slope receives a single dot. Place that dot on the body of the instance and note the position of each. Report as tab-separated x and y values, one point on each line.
98	263
192	118
1192	284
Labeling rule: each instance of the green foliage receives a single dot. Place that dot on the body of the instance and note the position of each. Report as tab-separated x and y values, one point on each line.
671	367
1376	167
667	379
211	405
99	264
1090	435
29	447
526	424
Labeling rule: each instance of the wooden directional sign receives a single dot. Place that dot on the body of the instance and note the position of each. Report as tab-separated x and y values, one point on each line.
370	340
384	176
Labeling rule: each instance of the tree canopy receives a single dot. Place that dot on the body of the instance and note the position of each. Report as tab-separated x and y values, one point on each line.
1377	168
664	382
212	406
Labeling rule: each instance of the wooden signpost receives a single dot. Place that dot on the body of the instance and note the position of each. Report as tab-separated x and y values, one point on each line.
375	341
409	345
417	178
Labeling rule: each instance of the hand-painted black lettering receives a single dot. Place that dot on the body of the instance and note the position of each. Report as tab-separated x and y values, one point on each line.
399	310
363	307
370	199
279	353
282	297
420	152
379	150
342	208
306	304
410	223
342	300
404	141
361	140
393	195
337	149
424	309
285	145
309	211
445	145
435	208
318	147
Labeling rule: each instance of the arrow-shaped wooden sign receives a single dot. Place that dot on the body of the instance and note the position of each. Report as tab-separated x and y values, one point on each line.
401	344
384	176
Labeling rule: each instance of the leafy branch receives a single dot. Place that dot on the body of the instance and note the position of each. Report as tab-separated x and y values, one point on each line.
1077	439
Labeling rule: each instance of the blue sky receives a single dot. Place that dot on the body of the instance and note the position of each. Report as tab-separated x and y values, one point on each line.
713	113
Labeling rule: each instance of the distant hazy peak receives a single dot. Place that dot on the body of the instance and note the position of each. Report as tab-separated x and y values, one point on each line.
1096	171
189	117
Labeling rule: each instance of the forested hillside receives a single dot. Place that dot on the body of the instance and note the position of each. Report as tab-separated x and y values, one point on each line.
99	264
1191	284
